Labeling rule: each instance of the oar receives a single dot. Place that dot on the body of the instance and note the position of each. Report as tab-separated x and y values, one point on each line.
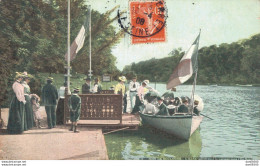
206	116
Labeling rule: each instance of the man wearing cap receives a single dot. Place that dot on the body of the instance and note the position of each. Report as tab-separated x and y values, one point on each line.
196	110
97	86
49	99
16	110
139	101
163	110
75	109
121	89
86	86
133	86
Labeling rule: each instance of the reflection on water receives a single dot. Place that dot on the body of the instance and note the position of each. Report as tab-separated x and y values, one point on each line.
147	143
234	132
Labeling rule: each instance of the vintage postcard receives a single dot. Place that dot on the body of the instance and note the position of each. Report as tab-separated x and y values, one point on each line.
88	80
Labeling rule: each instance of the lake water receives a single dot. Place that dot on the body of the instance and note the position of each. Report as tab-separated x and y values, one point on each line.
234	131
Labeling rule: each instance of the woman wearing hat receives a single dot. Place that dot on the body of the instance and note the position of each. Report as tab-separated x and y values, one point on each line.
16	111
75	109
140	96
121	89
28	106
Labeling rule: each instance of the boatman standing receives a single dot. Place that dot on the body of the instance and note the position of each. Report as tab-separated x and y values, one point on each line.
75	109
133	86
49	99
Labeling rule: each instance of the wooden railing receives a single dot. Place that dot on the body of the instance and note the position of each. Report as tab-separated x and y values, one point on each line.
97	107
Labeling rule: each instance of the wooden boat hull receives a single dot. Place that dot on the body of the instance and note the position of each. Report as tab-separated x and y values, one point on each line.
181	126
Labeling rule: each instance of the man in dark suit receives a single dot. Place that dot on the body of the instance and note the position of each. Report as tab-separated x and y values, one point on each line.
183	108
49	99
163	110
86	86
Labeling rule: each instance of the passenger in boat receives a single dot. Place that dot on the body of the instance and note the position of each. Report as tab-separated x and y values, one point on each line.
97	86
139	101
49	100
177	101
195	110
183	108
150	109
163	110
133	86
86	86
75	109
121	89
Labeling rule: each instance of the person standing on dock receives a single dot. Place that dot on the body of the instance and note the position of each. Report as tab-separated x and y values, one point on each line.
86	86
133	86
97	87
75	109
28	106
16	111
121	89
139	101
49	99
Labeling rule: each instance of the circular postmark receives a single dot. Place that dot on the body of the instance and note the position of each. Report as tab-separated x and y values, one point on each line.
144	19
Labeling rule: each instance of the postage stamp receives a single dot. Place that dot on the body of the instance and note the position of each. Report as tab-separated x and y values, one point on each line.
147	22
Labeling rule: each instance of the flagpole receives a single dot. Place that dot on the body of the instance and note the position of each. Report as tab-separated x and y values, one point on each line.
68	42
90	72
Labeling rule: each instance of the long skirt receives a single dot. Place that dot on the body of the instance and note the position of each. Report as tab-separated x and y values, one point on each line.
138	105
16	117
60	112
29	112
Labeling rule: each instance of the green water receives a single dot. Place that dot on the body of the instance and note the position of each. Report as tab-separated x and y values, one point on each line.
234	132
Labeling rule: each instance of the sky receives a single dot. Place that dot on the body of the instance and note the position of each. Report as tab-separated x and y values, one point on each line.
220	21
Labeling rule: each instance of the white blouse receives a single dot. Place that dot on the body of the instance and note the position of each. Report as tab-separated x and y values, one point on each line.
19	91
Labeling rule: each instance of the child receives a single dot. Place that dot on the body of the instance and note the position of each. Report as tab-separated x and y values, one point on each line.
35	106
75	109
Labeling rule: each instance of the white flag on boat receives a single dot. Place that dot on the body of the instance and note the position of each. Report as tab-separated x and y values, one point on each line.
79	40
187	66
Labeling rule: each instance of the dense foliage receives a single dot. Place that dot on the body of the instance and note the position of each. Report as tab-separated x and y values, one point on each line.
34	39
235	63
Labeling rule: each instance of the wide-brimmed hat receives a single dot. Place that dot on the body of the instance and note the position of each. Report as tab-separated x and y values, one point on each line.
146	82
19	75
27	76
122	78
134	77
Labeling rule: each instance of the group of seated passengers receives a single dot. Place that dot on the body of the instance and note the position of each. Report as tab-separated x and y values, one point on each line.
168	107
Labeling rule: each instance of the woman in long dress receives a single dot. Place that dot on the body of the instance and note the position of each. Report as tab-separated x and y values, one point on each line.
16	111
28	106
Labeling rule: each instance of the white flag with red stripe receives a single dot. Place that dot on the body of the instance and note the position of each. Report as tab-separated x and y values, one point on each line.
187	66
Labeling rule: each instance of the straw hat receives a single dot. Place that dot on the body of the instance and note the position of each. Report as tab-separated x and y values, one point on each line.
18	75
122	78
146	82
196	102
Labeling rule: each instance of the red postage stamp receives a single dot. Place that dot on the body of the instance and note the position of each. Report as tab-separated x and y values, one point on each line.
148	20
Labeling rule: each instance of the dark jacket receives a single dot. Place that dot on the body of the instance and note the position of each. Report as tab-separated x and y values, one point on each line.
163	110
183	109
49	95
85	88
